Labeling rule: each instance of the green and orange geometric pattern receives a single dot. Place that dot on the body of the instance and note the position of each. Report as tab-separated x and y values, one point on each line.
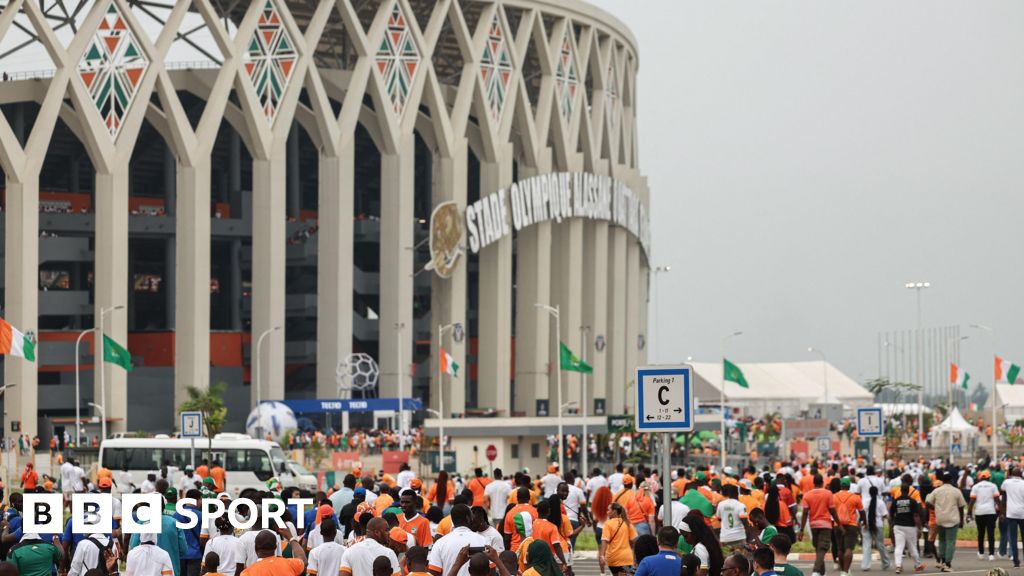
398	59
112	69
567	80
496	68
270	60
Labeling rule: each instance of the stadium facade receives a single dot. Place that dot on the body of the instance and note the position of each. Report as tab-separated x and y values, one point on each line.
358	173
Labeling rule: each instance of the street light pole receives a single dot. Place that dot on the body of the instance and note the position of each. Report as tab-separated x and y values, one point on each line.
584	344
103	366
78	394
259	391
824	373
722	393
399	326
440	390
917	287
554	312
992	399
657	335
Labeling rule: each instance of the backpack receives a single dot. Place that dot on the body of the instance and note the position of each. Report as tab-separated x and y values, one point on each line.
108	559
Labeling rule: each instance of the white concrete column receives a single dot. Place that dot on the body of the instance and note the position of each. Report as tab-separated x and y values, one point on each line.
634	295
111	287
644	304
396	256
448	296
268	272
21	299
595	309
192	266
495	302
334	266
567	292
533	328
617	337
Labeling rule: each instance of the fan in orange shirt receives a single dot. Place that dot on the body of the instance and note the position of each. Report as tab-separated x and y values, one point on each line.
545	531
477	486
519	520
413	522
442	491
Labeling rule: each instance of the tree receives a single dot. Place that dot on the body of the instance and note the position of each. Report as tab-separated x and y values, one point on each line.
209	402
316	452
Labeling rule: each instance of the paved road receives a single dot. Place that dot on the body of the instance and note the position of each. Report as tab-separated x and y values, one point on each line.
966	562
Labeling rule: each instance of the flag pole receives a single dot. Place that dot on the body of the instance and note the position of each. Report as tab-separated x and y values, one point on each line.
722	396
440	399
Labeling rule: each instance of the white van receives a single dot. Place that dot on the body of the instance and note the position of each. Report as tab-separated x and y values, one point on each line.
249	463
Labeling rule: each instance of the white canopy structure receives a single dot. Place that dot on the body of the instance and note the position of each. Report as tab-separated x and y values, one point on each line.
955	423
784	387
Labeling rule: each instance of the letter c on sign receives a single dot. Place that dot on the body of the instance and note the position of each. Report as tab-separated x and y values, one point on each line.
661	398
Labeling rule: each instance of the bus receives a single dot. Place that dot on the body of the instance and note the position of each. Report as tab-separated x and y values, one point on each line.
248	463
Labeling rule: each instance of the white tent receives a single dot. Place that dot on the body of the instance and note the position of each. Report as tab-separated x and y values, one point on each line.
955	424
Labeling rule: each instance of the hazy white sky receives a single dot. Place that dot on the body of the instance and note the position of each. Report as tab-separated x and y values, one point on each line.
807	158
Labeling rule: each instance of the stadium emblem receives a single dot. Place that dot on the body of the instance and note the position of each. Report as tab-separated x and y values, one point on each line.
599	343
445	239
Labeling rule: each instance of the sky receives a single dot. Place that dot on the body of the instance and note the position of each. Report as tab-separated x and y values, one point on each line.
806	159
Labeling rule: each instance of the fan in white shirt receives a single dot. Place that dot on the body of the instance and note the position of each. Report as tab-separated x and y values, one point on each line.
615	480
596	481
446	550
358	559
227	546
483	528
322	533
148	559
573	500
87	554
325	557
405	476
496	496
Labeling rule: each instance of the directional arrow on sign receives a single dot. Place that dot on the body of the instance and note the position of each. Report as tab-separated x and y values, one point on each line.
679	410
649	417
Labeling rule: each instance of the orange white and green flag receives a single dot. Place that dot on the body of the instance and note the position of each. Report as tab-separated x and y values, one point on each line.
958	375
1006	370
448	364
14	343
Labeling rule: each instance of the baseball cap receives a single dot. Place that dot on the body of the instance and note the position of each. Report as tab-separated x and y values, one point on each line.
398	535
416	483
209	480
360	491
844	481
728	470
104	482
553	468
628	480
685	527
984	474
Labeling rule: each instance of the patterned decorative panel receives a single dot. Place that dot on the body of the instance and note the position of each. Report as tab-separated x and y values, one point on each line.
612	93
270	60
112	68
567	80
496	68
398	59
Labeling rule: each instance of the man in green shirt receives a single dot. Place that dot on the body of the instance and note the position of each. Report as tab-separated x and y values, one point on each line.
34	557
781	545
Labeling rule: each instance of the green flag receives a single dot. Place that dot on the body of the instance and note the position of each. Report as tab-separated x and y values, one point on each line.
732	373
964	383
115	354
571	362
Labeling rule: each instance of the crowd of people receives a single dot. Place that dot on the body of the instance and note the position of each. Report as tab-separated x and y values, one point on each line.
722	523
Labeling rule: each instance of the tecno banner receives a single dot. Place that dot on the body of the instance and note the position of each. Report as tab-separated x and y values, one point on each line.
555	197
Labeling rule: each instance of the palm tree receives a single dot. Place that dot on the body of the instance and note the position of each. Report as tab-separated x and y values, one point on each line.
209	402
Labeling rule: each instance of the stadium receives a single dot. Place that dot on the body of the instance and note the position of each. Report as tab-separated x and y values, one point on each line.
334	176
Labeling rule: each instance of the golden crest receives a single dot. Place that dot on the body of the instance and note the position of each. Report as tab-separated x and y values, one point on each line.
445	239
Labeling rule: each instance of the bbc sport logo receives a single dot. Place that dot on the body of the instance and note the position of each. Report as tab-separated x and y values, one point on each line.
141	513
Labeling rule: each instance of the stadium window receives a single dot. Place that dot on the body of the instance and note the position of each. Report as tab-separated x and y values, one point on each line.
534	450
515	451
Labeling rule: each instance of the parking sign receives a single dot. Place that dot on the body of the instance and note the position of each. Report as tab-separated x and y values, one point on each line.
869	422
191	424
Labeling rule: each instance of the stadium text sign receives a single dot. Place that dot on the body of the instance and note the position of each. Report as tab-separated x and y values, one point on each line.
94	513
555	197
